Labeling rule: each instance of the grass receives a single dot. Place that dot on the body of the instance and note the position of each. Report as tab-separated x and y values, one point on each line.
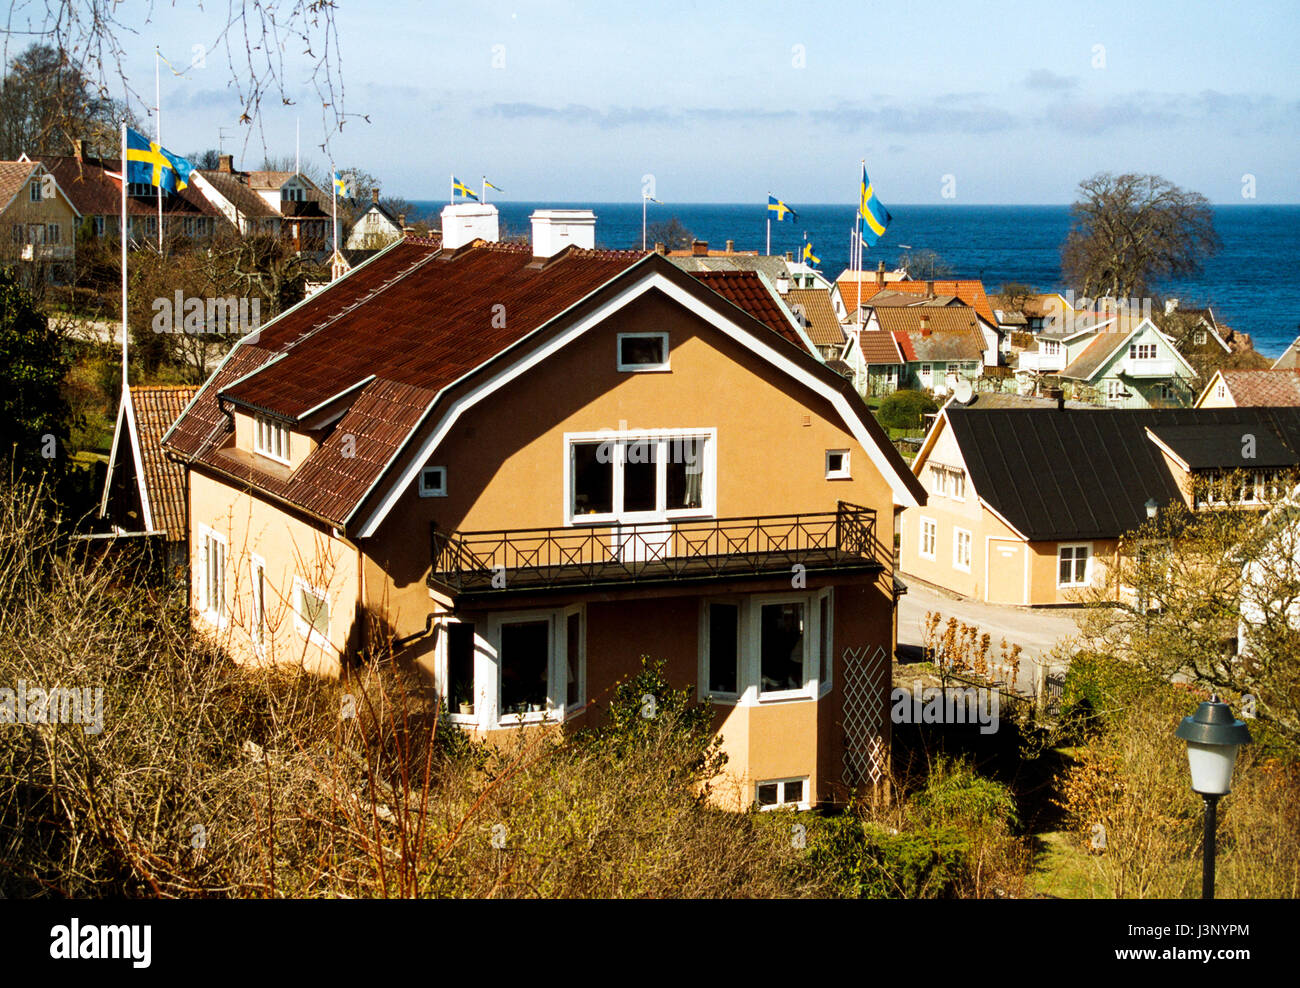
1063	869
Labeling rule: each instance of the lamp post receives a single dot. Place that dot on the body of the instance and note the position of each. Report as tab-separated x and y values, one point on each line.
1213	736
1152	507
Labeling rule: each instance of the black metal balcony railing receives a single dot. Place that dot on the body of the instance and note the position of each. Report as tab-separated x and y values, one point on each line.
656	552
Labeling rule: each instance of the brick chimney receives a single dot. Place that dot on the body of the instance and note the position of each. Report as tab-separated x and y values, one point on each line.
925	325
880	273
660	248
731	246
401	221
699	248
929	288
374	195
226	163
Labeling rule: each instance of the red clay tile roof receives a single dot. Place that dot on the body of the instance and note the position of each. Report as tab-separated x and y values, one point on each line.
1278	388
747	290
905	346
156	408
879	348
856	293
821	323
13	176
406	326
946	319
93	186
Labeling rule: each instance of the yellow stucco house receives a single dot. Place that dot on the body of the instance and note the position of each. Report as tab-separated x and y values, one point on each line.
38	222
524	468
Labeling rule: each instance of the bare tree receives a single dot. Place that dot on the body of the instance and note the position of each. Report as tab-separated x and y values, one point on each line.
257	40
924	265
1131	230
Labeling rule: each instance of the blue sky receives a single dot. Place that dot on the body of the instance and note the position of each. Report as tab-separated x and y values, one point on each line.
1016	101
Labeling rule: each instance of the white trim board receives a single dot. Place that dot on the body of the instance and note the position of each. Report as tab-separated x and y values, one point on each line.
653	281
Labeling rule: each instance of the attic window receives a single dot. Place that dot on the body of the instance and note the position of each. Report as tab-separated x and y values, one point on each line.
643	351
837	464
293	194
1201	337
433	482
271	438
35	193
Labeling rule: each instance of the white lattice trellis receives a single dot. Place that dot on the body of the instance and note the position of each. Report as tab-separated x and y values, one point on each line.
865	698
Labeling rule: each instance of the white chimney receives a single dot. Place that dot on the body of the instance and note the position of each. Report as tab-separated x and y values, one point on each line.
782	285
468	221
555	229
1170	305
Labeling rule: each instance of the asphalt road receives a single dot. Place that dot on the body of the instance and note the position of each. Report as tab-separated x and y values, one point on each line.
1036	631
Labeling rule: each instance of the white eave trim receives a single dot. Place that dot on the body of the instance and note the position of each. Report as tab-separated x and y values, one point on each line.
902	494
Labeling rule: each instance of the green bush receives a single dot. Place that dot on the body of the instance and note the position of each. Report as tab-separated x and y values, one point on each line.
867	861
956	795
903	409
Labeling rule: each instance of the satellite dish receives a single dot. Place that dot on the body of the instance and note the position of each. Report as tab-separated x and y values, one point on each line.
963	391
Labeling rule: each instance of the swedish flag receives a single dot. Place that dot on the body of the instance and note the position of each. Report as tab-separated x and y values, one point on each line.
807	256
340	185
148	163
775	205
491	186
873	217
460	190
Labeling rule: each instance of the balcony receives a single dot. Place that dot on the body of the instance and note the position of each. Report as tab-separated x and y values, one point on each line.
656	553
1043	363
1132	367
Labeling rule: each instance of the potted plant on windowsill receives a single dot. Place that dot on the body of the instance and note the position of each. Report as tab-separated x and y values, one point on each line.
466	707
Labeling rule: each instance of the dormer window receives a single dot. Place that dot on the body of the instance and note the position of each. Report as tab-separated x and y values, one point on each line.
293	194
271	438
643	351
1201	337
139	189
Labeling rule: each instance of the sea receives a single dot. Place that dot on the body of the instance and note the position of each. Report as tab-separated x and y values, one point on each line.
997	244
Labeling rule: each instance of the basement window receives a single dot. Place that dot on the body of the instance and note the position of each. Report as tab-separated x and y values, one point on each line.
643	351
311	612
777	793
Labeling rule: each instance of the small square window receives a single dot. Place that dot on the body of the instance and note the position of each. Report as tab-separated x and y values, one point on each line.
767	793
837	464
642	351
776	793
433	482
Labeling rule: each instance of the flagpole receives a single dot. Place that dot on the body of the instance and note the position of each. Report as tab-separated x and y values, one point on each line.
643	207
157	106
451	186
335	197
125	389
485	188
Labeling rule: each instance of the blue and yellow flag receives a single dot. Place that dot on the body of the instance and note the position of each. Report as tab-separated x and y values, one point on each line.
808	257
340	185
491	186
775	205
149	164
462	191
873	217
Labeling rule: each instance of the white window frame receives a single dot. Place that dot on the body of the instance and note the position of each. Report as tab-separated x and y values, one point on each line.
957	562
217	615
266	432
619	441
257	603
926	372
1201	337
664	365
1114	389
1140	351
562	646
706	660
479	668
1087	568
1220	390
844	472
308	632
934	539
34	193
807	688
491	690
439	490
803	804
826	637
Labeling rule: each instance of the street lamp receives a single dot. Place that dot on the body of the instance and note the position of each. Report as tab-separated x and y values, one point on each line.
1152	507
1213	736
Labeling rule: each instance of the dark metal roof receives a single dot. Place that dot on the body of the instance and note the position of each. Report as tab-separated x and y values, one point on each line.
1063	474
1220	446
